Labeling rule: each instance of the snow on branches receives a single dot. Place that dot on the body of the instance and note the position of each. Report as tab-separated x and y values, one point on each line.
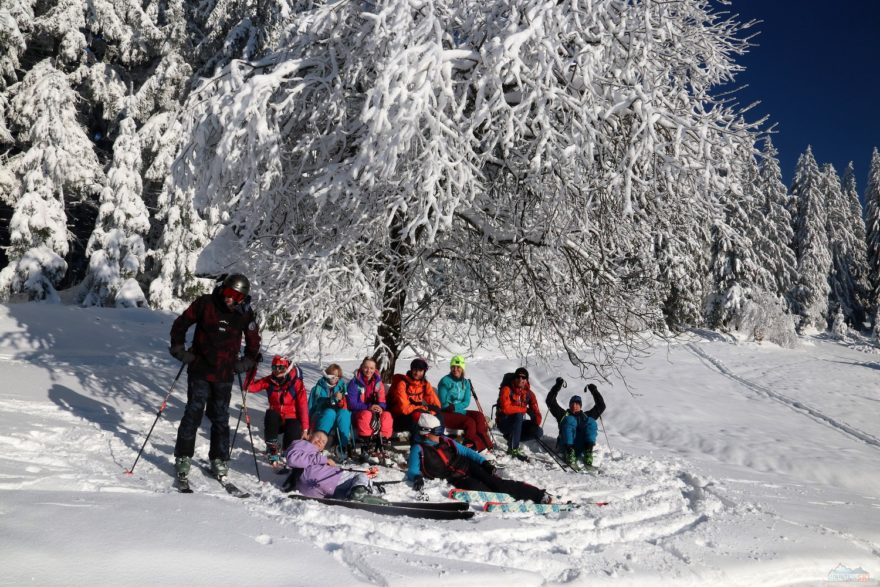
482	162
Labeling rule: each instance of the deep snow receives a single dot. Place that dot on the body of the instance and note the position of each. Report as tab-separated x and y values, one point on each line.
735	464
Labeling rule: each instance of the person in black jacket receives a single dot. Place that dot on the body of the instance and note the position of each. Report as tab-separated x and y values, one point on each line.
222	319
577	429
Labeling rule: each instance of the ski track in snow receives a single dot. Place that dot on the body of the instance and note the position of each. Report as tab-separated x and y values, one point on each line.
650	501
796	405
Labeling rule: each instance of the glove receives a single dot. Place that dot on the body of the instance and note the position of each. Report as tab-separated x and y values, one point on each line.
560	382
243	364
591	387
180	353
419	483
489	467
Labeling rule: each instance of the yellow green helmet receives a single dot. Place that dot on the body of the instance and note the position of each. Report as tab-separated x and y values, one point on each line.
457	361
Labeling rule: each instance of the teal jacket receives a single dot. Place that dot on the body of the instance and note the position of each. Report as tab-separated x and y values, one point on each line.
454	392
321	398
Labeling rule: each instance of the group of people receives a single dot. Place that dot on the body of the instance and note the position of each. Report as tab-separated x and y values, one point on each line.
298	424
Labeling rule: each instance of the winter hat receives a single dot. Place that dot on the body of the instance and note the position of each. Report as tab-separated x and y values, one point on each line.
457	361
522	371
419	364
575	399
429	424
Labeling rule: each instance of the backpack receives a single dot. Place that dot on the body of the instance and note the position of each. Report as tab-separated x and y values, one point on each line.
442	461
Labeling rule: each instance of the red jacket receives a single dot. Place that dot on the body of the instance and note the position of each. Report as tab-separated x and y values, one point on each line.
511	401
409	395
287	396
217	339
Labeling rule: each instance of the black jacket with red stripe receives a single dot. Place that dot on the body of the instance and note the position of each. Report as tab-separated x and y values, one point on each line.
218	335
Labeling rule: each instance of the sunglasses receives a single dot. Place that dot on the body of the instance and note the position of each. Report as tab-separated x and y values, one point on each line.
279	367
521	377
236	296
331	378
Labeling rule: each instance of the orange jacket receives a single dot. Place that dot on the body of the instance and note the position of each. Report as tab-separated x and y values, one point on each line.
409	395
511	401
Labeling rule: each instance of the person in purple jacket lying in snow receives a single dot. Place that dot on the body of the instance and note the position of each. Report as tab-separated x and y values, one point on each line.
314	475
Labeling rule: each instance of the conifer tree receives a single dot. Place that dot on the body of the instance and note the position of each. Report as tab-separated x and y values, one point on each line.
811	245
858	266
116	248
846	248
59	163
872	222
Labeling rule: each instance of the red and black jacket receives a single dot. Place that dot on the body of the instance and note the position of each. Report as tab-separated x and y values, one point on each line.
218	335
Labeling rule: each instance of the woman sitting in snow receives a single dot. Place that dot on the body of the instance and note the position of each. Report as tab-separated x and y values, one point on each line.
314	475
434	456
288	407
328	406
577	428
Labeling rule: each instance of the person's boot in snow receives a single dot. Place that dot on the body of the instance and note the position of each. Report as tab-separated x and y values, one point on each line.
518	453
571	459
182	466
588	460
363	495
219	468
273	452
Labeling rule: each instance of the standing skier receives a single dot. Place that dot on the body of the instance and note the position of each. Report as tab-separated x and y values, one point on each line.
515	401
454	392
436	457
288	411
577	428
222	319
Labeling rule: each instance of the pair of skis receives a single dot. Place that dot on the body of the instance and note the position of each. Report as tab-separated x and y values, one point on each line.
183	485
450	510
503	502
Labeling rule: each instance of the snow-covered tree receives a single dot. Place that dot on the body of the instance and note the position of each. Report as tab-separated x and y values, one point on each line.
771	223
858	266
812	249
872	222
484	164
59	163
846	243
116	248
16	19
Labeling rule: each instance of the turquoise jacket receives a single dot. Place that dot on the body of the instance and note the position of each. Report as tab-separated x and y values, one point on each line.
454	392
321	398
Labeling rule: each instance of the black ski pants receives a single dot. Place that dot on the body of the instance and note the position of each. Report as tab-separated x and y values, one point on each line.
274	424
478	479
205	397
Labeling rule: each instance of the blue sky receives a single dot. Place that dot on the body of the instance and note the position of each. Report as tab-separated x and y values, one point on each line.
816	71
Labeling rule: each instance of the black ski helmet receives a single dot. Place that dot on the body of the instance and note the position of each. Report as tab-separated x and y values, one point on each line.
238	282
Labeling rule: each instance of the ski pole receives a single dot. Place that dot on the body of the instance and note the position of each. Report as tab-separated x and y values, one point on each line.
552	454
158	415
605	433
247	421
250	377
489	424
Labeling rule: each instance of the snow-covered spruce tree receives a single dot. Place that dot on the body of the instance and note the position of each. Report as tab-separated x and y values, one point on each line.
116	249
771	223
845	246
480	165
872	227
16	18
737	274
58	164
811	245
858	266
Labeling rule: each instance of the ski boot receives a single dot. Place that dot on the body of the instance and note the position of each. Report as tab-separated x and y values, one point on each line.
518	453
182	466
273	453
363	495
219	468
571	460
588	461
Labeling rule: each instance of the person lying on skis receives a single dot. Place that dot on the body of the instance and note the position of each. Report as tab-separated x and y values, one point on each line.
314	475
434	456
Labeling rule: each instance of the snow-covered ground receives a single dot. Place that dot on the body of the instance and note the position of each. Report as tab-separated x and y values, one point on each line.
729	464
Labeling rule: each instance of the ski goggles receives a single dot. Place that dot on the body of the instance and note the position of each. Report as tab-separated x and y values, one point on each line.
233	294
